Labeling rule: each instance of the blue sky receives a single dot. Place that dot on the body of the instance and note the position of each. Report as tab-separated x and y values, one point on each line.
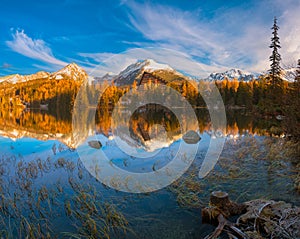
47	35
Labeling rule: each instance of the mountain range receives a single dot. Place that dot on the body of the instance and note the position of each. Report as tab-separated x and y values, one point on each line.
135	72
71	71
233	74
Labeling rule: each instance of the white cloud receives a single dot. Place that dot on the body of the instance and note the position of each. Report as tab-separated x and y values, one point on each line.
99	57
234	37
289	33
172	28
33	48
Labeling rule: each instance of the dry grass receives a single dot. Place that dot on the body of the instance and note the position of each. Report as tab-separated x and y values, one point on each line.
28	205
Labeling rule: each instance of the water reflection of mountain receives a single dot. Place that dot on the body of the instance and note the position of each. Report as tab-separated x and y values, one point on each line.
34	124
143	124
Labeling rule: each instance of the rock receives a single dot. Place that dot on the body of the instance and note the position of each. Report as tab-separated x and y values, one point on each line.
95	144
191	137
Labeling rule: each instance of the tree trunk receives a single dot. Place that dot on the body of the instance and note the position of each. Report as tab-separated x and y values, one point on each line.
221	208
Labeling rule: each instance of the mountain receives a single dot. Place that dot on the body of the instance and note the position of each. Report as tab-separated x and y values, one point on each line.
232	74
71	71
141	70
286	74
16	78
136	72
107	77
289	74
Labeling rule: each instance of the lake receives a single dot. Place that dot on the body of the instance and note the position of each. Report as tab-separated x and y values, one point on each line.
49	191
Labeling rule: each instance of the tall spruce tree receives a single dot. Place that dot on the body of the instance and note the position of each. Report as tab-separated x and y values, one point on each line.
275	91
275	57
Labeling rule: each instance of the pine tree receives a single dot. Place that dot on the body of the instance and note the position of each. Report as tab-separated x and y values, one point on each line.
275	57
274	92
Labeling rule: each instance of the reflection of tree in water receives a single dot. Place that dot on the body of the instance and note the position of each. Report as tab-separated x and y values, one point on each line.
150	115
42	124
35	121
241	121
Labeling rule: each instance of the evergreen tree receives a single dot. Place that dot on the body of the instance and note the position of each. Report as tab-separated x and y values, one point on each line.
275	57
274	92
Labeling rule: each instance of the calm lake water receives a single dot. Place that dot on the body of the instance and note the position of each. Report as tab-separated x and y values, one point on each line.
46	190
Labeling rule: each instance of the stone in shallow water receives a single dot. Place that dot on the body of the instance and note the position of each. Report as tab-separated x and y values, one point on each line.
95	144
191	137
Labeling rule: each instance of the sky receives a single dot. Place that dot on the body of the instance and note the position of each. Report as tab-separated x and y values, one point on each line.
216	35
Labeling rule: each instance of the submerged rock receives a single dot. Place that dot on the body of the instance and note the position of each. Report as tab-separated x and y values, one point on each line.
191	137
95	144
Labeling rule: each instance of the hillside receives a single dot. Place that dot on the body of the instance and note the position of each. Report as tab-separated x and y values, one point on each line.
48	89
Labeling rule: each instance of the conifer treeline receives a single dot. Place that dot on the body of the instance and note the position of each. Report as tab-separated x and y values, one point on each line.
56	94
252	95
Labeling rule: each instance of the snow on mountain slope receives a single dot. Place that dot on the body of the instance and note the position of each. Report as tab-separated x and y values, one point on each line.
148	65
136	70
151	65
71	71
289	74
233	74
20	78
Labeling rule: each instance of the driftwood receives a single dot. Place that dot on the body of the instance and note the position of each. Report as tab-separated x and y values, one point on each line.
258	219
270	219
219	210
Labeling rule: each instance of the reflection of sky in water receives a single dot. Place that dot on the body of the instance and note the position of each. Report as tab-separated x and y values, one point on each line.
256	180
29	148
33	148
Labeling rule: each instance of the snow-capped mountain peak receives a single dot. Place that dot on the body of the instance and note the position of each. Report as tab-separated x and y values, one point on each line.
151	65
231	74
72	70
148	65
136	70
289	74
16	78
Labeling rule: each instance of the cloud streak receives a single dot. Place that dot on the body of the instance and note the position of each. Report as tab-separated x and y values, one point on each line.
173	28
234	37
33	48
